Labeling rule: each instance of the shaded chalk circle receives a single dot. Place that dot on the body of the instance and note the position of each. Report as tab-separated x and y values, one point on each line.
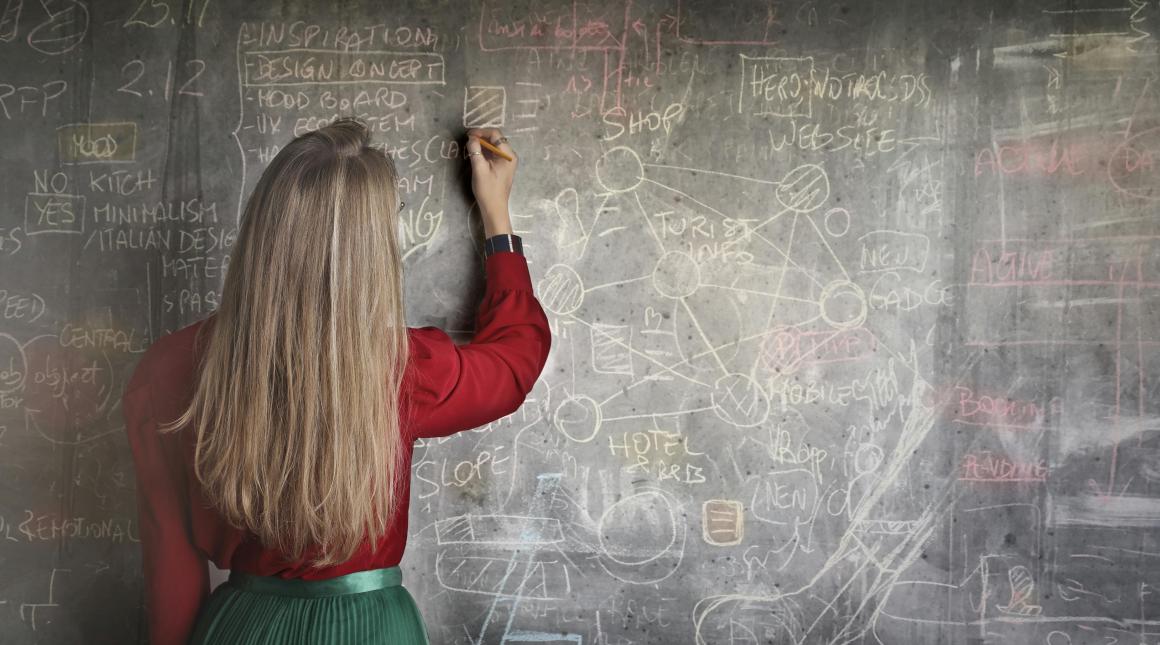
780	349
561	290
676	275
739	400
843	304
578	418
619	170
804	188
65	28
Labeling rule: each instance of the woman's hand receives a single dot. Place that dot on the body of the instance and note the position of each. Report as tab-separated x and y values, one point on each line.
491	179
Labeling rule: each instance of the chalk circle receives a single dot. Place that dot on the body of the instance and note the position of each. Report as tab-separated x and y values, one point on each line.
804	188
843	304
837	221
640	528
77	414
578	418
867	459
13	364
676	275
1133	160
561	290
619	170
740	401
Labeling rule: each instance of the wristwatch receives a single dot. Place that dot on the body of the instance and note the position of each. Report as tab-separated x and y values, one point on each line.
502	242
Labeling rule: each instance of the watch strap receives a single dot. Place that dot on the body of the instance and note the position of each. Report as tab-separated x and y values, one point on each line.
503	242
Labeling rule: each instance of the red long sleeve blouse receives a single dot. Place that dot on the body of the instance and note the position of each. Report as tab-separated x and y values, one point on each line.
452	387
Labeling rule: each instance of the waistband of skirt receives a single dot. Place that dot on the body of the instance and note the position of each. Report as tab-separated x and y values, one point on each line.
357	582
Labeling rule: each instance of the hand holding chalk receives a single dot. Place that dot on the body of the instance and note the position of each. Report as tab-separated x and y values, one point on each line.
485	144
492	175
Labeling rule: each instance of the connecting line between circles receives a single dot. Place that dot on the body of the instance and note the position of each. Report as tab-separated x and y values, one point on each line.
704	337
761	293
687	196
788	259
713	172
829	248
781	277
618	282
644	214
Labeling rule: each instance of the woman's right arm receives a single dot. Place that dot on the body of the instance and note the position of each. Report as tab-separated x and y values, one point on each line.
459	387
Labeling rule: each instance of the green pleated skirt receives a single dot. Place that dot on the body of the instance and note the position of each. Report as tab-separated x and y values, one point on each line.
364	608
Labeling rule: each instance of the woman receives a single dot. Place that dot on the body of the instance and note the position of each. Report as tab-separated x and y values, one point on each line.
274	437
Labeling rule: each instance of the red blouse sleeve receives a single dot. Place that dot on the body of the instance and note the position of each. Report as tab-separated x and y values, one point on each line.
176	572
459	387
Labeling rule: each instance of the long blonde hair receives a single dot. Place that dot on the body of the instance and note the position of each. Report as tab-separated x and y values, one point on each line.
296	406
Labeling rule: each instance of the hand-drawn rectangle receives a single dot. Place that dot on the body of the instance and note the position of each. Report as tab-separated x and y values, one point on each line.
611	348
97	142
543	577
306	67
484	106
1119	512
53	213
775	86
722	522
893	251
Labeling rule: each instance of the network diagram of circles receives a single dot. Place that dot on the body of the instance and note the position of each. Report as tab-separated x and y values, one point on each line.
725	283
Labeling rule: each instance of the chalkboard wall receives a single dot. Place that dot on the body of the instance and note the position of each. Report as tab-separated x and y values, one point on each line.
855	303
